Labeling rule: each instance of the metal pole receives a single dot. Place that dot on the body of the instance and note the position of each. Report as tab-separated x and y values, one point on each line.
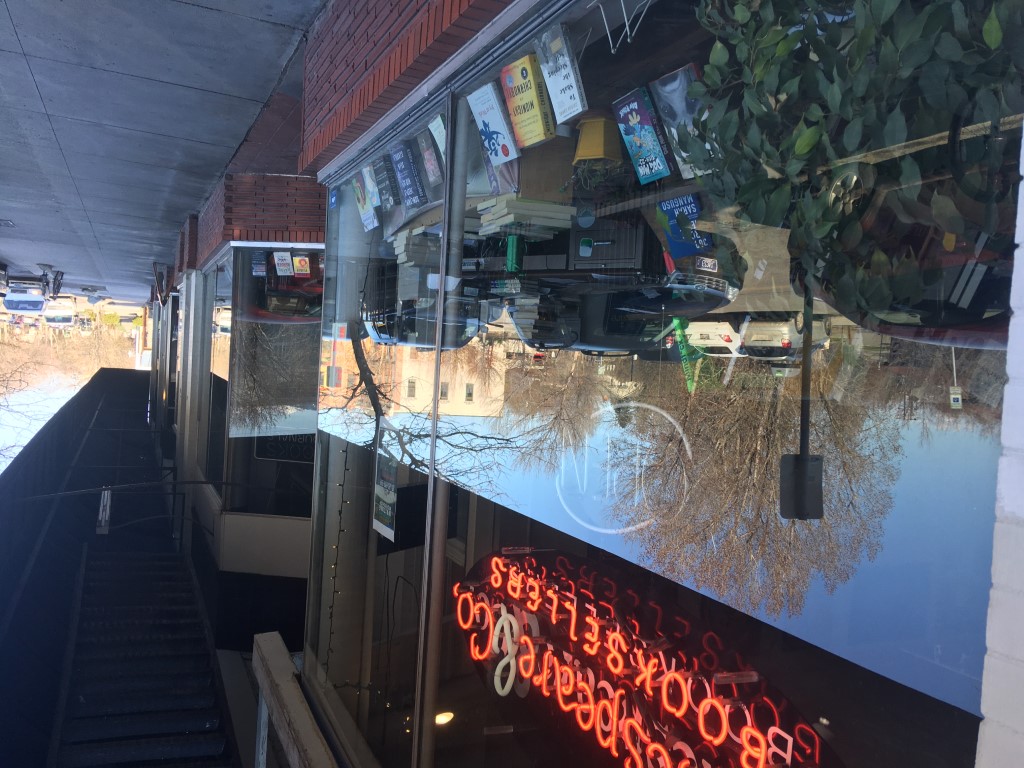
953	350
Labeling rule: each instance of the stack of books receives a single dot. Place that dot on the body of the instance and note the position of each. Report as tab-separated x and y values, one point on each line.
417	246
533	219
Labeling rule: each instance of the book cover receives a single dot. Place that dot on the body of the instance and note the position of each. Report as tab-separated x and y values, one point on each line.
642	133
410	185
495	129
259	264
387	184
366	213
677	110
283	263
527	100
372	192
679	224
437	130
561	73
431	164
300	265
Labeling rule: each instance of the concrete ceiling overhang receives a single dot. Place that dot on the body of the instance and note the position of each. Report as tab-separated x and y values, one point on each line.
117	117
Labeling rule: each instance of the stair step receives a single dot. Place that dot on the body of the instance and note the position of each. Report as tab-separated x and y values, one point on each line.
111	753
106	601
143	683
183	665
90	652
155	627
119	703
138	612
137	725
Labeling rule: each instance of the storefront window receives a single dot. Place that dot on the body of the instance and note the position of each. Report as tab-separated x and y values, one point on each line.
220	282
726	299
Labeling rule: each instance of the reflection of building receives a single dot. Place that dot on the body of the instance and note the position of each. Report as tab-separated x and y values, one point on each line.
572	528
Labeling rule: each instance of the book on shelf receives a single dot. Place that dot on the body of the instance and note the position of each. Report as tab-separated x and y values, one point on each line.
367	214
526	97
387	184
561	73
431	164
283	264
495	129
410	185
643	135
677	110
513	202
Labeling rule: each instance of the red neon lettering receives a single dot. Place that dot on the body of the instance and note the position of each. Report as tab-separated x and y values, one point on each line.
553	604
616	644
658	751
608	737
570	606
536	595
515	583
813	746
586	713
773	749
710	658
666	694
613	588
464	610
755	748
455	588
566	689
631	727
527	660
498	570
474	650
648	669
591	636
705	706
541	678
772	707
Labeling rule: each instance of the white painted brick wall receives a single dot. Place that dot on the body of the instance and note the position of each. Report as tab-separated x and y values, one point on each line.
1001	741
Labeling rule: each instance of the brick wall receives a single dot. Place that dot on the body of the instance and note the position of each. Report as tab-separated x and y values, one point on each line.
363	56
262	207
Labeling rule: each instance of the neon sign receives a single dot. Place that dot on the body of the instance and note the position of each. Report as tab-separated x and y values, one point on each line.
646	684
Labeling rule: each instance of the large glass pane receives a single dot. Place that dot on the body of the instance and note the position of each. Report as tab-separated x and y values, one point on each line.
219	282
383	310
736	389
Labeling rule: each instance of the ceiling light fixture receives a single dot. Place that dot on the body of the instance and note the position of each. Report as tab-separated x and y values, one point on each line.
6	223
443	718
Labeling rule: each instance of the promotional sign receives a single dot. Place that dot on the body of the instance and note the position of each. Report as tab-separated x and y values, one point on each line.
635	675
385	484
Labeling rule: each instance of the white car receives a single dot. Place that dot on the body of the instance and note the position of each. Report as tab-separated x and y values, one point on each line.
717	338
27	295
777	340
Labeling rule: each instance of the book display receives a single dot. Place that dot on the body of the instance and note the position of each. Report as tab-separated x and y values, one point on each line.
561	73
372	193
300	265
643	135
677	110
410	185
681	214
386	182
527	99
283	264
366	212
495	130
431	163
533	219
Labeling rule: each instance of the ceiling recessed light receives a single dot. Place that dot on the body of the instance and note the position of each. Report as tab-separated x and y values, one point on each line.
443	718
6	223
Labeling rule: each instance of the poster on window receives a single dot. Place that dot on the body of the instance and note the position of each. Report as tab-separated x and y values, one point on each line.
385	484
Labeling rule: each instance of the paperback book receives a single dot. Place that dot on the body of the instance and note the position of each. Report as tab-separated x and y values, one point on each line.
387	184
495	129
677	110
527	100
283	264
410	185
561	73
431	164
366	212
643	135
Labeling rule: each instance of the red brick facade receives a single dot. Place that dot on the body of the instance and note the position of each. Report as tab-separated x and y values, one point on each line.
262	208
187	244
363	56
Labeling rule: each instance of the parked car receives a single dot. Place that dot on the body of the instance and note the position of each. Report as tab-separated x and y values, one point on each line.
718	337
61	312
781	339
27	295
3	280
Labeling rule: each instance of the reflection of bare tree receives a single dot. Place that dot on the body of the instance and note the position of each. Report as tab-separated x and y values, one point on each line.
275	371
477	361
555	404
717	524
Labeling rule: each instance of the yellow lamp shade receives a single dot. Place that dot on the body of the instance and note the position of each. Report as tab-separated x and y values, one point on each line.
599	140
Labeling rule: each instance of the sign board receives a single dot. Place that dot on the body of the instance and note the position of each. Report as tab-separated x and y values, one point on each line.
385	484
956	398
300	449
